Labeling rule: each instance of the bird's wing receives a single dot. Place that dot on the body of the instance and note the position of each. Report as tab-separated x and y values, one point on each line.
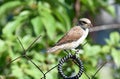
74	34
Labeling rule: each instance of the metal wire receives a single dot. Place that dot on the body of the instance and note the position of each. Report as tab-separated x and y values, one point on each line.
75	59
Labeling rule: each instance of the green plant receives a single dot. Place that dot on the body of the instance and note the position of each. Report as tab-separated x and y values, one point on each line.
27	19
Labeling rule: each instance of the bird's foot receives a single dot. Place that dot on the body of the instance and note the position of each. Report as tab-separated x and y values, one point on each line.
78	51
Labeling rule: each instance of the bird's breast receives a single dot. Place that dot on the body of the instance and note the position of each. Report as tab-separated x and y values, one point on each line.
81	39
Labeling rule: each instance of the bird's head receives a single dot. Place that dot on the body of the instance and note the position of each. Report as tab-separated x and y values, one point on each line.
84	23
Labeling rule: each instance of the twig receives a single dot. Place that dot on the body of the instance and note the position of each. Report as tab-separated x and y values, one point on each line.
99	69
76	10
104	27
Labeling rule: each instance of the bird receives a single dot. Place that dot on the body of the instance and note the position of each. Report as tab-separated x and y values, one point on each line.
74	37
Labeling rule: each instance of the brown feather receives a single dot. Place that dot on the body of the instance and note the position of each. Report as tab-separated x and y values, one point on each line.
74	34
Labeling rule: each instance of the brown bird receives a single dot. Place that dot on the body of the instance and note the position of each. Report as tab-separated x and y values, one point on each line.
74	37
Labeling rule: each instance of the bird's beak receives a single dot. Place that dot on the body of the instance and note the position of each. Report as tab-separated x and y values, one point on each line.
90	25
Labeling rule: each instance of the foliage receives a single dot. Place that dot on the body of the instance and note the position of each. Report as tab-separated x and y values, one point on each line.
109	52
50	18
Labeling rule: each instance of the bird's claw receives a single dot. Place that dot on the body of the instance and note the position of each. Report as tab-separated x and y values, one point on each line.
78	51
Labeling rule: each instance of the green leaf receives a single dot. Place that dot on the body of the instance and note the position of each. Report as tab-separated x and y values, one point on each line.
8	6
49	23
92	50
60	26
11	27
26	40
59	16
64	19
37	25
91	5
94	61
116	56
24	14
117	1
114	39
43	7
47	19
40	57
105	49
2	46
108	41
111	10
15	70
34	72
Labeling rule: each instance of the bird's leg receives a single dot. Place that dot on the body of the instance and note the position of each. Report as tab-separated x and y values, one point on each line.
71	51
77	51
84	44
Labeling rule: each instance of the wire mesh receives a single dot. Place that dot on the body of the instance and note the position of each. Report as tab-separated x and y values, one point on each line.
75	59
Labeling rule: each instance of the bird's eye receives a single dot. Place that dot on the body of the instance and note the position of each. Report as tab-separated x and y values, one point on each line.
83	22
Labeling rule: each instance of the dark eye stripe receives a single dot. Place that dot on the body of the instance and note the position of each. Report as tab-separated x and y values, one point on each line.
83	22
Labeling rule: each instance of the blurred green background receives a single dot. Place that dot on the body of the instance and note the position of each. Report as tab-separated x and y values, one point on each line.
28	19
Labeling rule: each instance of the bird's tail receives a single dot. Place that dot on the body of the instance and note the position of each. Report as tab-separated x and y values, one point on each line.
53	49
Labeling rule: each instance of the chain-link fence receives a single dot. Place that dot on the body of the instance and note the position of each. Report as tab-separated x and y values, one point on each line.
77	61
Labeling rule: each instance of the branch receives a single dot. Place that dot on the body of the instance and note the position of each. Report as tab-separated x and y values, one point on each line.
76	10
104	27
